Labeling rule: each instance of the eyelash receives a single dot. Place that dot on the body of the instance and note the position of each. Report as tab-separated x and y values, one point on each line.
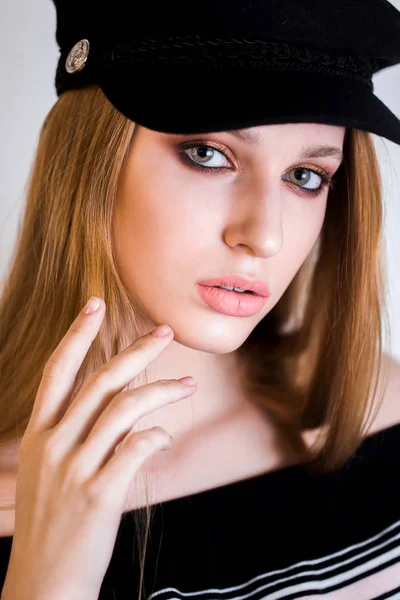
327	182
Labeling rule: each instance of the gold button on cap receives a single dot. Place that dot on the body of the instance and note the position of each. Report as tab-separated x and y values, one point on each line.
77	57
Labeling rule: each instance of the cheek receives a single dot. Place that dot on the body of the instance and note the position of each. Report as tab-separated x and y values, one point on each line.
303	221
300	234
157	225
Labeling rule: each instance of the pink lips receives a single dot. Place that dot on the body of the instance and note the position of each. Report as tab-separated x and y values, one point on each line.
258	286
231	303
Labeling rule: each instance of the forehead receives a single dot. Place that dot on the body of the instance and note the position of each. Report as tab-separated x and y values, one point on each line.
296	131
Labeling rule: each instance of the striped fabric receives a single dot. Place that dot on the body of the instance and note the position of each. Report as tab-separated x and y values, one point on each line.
285	534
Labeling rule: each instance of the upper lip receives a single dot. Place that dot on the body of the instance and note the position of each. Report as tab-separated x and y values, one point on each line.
258	286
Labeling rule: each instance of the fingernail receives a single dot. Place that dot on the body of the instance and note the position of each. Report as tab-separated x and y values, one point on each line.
187	381
91	306
161	331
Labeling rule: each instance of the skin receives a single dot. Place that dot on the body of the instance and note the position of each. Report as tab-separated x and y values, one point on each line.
175	225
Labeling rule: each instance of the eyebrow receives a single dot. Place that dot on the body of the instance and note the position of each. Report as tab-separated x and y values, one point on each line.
317	151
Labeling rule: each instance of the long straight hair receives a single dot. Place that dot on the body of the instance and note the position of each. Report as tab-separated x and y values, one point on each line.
310	363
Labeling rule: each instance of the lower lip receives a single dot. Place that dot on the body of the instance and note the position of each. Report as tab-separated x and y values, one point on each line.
232	303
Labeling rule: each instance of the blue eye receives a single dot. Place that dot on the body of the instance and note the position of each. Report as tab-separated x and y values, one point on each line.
305	175
205	152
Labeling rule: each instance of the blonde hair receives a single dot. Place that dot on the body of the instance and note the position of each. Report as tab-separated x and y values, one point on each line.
310	362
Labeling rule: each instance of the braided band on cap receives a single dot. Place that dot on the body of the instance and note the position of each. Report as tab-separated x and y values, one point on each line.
217	53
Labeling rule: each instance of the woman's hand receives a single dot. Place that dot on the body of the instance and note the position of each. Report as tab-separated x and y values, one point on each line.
71	483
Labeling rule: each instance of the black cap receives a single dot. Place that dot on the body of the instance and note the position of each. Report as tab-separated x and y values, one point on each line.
184	67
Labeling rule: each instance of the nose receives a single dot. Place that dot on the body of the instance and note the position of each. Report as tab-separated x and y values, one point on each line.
257	221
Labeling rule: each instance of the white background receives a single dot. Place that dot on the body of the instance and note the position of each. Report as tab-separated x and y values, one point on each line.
29	56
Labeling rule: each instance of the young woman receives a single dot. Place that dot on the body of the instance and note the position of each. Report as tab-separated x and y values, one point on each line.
281	480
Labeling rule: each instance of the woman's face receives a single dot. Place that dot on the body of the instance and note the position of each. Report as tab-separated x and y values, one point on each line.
180	219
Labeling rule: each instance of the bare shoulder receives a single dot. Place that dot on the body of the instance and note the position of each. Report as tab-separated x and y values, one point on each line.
389	411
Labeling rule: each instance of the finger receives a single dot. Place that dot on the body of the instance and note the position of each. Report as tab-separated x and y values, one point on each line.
113	482
61	369
103	385
121	415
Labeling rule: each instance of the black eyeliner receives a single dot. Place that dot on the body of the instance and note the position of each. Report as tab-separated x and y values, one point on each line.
326	181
